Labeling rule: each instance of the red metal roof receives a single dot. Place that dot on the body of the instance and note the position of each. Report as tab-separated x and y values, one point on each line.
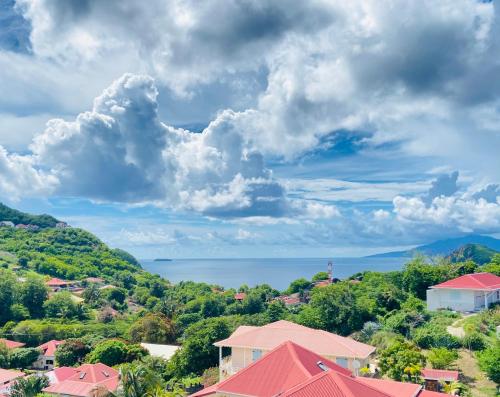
280	370
60	373
11	344
427	393
55	282
333	384
475	281
392	387
7	375
49	348
272	335
87	378
439	374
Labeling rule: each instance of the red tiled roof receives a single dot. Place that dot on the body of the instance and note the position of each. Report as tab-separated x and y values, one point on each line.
49	348
7	375
280	370
439	374
85	380
240	296
55	282
272	335
475	281
11	344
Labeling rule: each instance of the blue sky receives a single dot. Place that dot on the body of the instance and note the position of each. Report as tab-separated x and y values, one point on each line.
253	128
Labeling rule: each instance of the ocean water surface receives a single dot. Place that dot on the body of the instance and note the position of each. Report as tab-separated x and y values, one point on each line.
277	272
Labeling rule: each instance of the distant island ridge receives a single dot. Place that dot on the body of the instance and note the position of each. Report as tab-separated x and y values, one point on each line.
444	247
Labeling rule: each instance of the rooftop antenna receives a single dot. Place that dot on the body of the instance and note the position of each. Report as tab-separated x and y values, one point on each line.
330	271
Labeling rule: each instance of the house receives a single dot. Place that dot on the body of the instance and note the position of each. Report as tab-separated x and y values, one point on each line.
94	280
56	284
10	344
6	224
47	358
249	343
468	293
290	300
61	225
434	378
163	351
291	370
86	381
240	296
7	378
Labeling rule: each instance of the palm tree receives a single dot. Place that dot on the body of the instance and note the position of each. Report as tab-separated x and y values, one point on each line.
29	386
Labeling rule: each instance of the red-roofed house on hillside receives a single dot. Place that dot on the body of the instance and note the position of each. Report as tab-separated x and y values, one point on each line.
59	374
10	344
56	284
86	381
7	377
239	296
47	358
468	293
294	371
249	343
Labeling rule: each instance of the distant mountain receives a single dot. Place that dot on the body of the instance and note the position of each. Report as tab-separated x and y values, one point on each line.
445	247
475	252
17	217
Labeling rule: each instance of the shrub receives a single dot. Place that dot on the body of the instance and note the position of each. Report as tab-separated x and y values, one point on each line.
442	358
474	341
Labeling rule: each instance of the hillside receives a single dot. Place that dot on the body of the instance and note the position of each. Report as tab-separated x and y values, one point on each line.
68	253
17	217
444	247
474	252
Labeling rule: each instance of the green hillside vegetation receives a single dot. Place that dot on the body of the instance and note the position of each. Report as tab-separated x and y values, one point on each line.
17	217
386	310
474	252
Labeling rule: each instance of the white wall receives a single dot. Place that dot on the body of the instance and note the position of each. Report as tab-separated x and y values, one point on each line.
455	299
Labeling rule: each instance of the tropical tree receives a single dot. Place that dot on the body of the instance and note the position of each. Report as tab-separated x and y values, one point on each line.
401	361
29	386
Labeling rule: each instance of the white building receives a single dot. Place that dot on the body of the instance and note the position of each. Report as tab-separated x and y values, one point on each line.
468	293
47	357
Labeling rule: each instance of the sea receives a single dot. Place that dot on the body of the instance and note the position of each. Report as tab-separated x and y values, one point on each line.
277	272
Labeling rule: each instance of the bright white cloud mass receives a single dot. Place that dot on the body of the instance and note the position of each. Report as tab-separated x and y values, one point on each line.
312	124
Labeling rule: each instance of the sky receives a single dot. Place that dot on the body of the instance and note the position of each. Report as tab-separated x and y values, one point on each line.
245	128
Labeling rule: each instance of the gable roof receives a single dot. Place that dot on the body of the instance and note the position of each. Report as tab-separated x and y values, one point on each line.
272	335
49	348
439	374
475	281
280	370
11	344
87	378
391	387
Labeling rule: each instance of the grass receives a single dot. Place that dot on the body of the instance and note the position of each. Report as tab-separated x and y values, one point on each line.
474	377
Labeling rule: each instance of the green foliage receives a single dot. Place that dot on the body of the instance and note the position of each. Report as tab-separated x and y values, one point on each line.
33	293
71	352
474	341
17	217
418	276
113	351
442	358
299	285
23	357
153	328
398	358
62	305
488	362
320	276
431	335
30	386
198	352
403	321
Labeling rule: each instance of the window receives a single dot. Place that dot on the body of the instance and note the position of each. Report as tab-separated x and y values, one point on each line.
256	354
49	362
342	361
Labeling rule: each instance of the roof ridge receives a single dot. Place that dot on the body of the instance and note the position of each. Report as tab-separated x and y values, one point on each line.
291	347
